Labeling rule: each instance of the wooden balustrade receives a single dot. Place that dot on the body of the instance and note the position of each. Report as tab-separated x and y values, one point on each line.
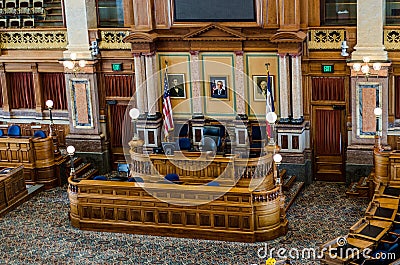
246	206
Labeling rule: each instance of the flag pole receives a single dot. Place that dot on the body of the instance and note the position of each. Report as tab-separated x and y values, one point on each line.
166	77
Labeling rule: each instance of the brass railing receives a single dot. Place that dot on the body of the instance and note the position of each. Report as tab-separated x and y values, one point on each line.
325	39
33	40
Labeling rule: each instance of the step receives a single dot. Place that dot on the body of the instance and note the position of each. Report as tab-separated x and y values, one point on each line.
288	183
293	193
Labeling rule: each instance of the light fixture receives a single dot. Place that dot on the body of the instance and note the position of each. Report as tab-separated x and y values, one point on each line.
271	119
134	114
278	159
49	104
74	64
378	114
71	152
365	67
344	49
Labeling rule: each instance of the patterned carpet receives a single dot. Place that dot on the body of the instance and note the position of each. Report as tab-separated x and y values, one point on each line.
39	232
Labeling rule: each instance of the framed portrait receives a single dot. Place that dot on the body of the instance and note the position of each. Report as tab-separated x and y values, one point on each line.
218	87
260	87
176	85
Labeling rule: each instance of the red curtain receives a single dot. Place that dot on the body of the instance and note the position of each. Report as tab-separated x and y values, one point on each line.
22	92
119	85
53	86
117	113
328	88
397	98
328	137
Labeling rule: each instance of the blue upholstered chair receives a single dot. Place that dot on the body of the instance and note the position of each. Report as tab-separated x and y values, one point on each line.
213	183
123	169
1	133
100	178
208	144
184	144
39	134
172	177
14	130
136	179
217	134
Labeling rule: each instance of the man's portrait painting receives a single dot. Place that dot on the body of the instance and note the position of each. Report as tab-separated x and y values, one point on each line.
218	88
260	87
176	86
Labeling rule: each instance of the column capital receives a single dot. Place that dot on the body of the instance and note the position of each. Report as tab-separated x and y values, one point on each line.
136	54
239	53
282	55
149	54
194	53
294	55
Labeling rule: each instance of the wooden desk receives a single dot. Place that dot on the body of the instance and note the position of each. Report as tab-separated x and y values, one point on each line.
37	156
12	186
383	208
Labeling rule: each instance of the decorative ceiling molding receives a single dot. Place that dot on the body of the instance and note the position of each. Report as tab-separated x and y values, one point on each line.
288	37
141	37
215	32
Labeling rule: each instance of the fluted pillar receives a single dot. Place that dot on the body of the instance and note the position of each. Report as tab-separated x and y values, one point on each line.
153	92
196	84
297	91
370	19
141	84
284	85
78	24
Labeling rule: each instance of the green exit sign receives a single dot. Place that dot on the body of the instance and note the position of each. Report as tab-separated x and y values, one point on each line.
116	66
327	68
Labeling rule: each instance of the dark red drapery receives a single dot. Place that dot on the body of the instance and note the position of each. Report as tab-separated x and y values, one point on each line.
119	85
328	136
328	88
22	92
53	85
117	113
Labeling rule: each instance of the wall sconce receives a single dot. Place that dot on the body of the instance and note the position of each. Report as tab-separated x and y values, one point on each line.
134	114
378	115
271	119
364	69
74	64
71	152
344	49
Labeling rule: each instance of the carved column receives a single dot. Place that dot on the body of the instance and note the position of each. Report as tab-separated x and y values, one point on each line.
297	91
37	89
196	81
153	93
141	84
370	18
284	94
4	89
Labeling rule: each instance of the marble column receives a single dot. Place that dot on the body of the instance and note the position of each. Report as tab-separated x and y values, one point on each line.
78	24
370	18
240	84
284	92
297	91
140	83
153	92
196	84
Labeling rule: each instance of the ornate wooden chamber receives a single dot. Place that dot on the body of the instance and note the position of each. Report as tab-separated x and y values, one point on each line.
37	156
231	211
12	186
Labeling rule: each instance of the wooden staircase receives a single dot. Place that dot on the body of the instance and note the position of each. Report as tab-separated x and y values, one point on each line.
83	170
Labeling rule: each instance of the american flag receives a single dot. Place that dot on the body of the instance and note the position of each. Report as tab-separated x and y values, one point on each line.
269	106
167	109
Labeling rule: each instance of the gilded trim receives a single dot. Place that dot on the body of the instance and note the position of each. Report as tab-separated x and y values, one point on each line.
113	39
392	39
325	39
33	40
